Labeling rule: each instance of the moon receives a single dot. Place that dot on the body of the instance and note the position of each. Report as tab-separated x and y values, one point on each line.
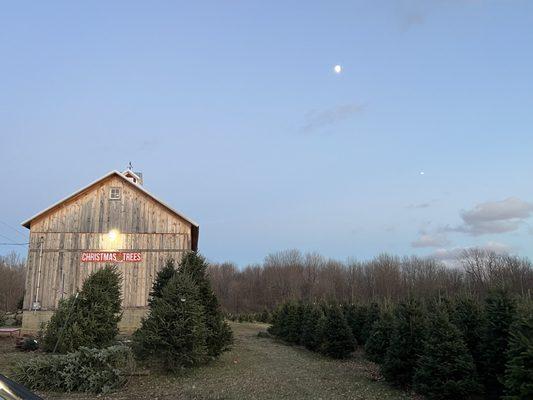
422	172
337	68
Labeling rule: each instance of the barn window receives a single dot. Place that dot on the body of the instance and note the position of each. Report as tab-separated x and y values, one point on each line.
114	193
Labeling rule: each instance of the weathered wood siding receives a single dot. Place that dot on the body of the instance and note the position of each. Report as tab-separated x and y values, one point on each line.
83	223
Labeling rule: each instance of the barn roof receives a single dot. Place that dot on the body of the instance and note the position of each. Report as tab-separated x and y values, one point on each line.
195	230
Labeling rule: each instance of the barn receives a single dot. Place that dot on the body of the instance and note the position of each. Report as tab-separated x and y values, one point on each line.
112	220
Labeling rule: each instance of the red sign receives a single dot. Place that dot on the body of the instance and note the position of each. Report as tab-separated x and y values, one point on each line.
110	256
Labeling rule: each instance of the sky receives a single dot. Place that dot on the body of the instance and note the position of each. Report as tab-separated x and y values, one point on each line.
234	113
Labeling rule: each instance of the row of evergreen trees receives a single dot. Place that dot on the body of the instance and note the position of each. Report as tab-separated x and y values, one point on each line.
456	348
184	326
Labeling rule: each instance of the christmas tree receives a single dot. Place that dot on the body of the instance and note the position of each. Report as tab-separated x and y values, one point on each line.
445	369
338	341
89	318
173	335
408	334
218	333
499	313
313	322
519	368
379	339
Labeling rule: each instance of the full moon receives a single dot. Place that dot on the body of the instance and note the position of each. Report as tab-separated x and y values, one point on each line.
337	68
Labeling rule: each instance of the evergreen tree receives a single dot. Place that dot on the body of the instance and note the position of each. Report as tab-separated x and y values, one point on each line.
408	334
294	323
218	335
264	316
89	319
379	339
161	279
279	321
467	315
446	369
338	341
173	335
356	317
519	367
371	316
313	322
499	313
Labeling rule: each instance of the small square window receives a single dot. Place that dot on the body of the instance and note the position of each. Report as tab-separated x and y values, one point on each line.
114	193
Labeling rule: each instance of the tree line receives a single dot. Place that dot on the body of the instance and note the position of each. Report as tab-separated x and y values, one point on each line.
291	275
12	275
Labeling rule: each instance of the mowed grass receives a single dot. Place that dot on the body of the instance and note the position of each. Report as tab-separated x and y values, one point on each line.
256	368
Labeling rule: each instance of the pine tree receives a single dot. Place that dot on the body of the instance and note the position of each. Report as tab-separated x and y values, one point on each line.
379	339
264	316
89	319
338	341
356	316
519	367
371	316
499	315
408	334
446	369
218	335
173	335
467	315
313	322
161	279
294	323
279	321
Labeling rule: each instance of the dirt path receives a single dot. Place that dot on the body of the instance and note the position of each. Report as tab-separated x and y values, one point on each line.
260	369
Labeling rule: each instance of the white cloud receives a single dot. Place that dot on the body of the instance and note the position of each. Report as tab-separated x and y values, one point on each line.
494	217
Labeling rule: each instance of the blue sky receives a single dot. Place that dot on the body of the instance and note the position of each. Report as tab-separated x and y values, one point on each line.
232	111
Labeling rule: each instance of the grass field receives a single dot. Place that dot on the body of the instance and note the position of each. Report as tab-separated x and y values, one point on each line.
256	368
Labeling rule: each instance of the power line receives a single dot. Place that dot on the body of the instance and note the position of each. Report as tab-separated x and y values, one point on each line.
13	228
8	238
14	244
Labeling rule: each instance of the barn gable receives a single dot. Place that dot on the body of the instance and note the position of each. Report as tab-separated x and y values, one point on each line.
136	211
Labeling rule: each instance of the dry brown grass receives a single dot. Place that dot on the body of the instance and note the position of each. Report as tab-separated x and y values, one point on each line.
256	368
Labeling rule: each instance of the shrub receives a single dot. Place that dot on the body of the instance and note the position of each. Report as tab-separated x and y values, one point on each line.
519	367
408	334
446	369
219	336
89	319
28	344
86	370
500	313
173	335
338	341
379	339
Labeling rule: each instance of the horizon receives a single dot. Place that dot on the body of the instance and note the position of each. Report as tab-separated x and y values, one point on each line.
347	129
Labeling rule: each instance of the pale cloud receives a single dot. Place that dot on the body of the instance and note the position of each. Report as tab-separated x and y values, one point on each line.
453	254
316	119
494	217
430	240
419	205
